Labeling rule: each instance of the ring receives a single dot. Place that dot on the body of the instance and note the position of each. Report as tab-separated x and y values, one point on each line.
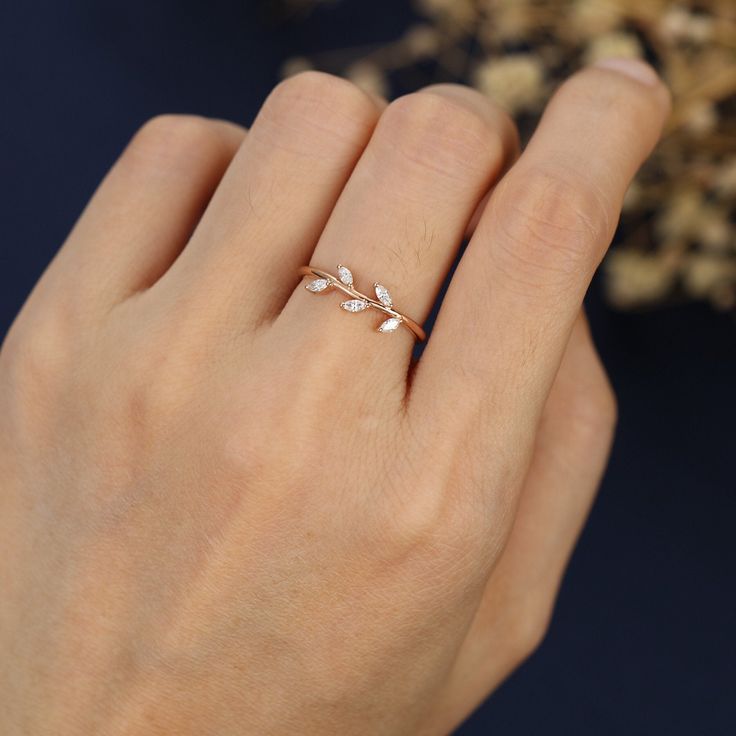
323	281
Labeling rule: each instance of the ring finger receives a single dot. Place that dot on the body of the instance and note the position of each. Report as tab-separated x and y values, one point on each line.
405	208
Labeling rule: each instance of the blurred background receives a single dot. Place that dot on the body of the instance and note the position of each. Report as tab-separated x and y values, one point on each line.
644	637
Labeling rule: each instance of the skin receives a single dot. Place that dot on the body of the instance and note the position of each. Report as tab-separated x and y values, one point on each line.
227	506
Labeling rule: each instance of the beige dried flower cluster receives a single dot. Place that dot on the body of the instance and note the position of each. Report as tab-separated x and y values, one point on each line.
678	232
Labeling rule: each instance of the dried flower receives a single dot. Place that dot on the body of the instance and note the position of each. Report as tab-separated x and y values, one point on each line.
511	21
704	274
680	216
678	229
368	77
422	41
516	82
702	118
461	12
678	24
725	183
713	229
637	278
594	17
610	45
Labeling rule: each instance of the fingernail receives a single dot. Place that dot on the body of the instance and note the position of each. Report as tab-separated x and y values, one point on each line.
634	68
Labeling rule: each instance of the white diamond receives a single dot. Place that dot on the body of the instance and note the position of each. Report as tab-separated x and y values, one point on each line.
354	305
345	275
317	285
383	296
391	324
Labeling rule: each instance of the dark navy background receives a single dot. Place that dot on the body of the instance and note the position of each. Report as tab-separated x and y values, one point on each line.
643	640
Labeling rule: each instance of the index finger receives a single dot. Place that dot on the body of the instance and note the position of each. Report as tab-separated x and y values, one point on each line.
512	302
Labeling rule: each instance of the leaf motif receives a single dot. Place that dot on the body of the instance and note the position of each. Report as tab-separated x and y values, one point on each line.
391	324
354	305
317	285
345	275
383	296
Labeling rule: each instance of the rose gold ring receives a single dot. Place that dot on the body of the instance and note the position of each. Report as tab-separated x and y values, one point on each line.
323	281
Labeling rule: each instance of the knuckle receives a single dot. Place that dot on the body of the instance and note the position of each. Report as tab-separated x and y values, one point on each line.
34	358
423	519
316	103
417	523
11	351
440	134
157	389
146	389
593	410
36	375
170	138
526	629
549	225
250	461
288	412
311	85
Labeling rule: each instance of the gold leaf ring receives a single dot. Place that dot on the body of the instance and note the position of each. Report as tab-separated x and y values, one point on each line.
357	302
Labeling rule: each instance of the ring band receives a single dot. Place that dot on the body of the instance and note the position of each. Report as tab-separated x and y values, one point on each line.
358	302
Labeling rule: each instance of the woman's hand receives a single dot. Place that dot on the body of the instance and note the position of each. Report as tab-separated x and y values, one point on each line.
228	506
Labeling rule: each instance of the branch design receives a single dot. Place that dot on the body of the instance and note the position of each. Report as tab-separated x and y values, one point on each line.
357	301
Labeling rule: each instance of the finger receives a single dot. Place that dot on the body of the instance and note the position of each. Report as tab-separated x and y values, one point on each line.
404	211
510	307
266	216
144	211
480	209
570	455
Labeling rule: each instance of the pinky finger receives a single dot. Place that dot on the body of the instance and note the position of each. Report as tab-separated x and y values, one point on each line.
571	453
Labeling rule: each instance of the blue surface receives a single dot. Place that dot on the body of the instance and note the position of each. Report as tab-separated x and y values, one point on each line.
643	639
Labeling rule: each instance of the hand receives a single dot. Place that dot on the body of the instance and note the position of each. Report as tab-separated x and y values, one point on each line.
230	507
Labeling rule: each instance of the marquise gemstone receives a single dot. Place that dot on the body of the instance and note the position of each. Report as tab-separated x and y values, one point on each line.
383	296
354	305
391	324
345	275
317	285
